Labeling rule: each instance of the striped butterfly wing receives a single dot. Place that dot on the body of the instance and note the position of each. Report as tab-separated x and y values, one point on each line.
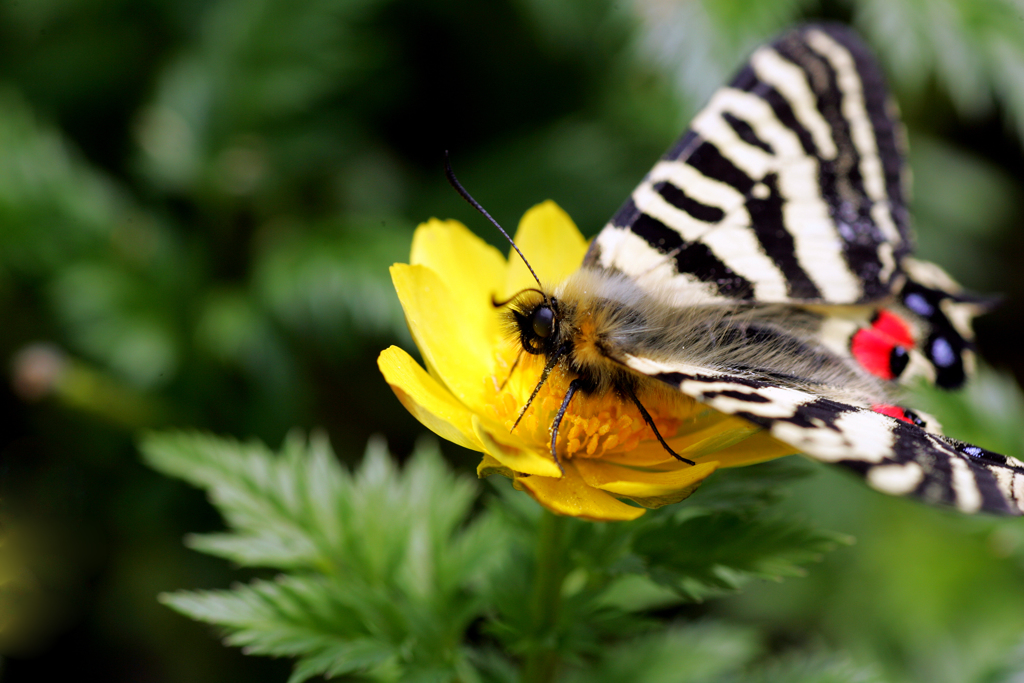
788	188
900	456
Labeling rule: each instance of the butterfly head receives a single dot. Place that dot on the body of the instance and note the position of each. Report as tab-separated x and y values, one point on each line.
538	324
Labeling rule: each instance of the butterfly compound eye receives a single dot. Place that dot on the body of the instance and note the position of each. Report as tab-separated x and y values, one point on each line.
543	322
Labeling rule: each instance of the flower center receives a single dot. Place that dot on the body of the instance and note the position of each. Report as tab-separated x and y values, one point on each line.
593	424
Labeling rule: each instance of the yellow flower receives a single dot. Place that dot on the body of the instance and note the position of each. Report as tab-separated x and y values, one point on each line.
471	394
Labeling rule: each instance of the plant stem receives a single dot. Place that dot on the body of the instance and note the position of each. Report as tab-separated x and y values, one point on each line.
546	600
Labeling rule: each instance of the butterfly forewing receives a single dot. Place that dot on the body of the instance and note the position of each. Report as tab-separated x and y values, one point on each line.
789	186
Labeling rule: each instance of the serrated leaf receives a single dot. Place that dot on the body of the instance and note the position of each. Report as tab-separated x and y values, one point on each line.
344	658
704	547
701	555
290	617
749	488
278	500
383	569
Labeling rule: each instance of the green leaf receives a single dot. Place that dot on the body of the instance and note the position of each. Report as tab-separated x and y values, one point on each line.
300	617
281	509
383	571
705	651
700	553
729	532
750	488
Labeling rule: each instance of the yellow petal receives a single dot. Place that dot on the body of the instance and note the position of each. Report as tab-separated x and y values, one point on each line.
670	498
571	496
627	481
552	243
758	448
488	466
716	437
712	433
457	346
468	266
513	455
428	401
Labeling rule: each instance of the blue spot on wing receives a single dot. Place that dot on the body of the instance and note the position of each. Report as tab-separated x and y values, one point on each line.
918	304
942	353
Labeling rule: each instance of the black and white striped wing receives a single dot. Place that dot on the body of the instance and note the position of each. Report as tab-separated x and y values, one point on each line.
788	187
894	456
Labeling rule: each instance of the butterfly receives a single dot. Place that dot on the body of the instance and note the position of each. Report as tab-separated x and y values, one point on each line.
764	268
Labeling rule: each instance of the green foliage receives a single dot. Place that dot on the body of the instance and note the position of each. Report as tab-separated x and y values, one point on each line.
45	183
705	651
384	571
814	669
975	50
331	283
711	553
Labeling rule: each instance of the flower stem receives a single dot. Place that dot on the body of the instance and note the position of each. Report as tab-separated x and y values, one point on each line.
545	601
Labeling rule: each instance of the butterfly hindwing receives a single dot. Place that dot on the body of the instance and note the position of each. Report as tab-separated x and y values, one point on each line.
789	186
896	451
943	312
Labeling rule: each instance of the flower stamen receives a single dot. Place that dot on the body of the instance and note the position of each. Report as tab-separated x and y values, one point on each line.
591	428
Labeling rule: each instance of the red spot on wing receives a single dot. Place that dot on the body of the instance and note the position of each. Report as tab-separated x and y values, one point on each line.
892	411
872	351
890	325
881	348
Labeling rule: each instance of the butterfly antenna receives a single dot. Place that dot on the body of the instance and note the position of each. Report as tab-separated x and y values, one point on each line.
454	182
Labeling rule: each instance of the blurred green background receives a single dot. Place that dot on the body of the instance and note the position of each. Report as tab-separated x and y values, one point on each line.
199	200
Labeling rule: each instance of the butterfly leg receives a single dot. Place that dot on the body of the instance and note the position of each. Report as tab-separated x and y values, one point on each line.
650	423
574	386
